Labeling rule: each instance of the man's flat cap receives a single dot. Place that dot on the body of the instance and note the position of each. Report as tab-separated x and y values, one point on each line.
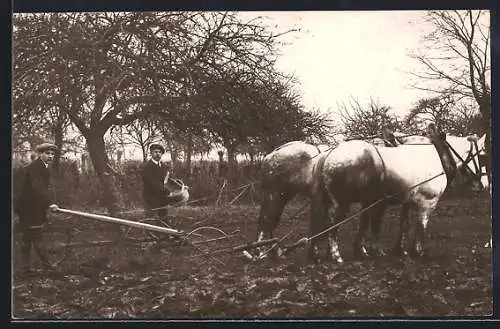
46	147
156	147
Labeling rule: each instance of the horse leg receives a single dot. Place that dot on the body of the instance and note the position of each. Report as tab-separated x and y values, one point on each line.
420	233
271	210
377	214
340	212
284	198
268	216
316	223
359	244
399	248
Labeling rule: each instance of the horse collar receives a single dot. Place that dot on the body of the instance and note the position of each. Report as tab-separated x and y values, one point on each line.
384	170
470	157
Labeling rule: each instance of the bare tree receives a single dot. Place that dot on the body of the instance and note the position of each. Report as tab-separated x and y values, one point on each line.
110	69
436	110
320	128
366	121
141	133
456	60
464	121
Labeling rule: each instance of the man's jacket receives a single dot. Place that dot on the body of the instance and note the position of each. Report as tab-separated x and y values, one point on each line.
34	197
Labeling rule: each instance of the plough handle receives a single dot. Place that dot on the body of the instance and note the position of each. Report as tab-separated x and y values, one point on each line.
120	221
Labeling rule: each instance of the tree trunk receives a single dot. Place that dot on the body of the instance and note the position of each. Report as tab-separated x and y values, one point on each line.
232	163
251	153
231	155
58	141
100	161
189	151
487	151
119	158
485	109
144	153
174	156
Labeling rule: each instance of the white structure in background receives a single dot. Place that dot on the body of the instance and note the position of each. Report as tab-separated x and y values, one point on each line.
22	155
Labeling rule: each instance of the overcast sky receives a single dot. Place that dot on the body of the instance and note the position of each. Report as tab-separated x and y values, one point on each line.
342	54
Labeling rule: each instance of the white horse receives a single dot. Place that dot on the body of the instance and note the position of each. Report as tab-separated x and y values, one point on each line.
285	172
473	157
470	172
410	175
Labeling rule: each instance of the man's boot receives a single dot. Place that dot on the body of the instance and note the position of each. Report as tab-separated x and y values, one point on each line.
26	262
39	246
46	264
26	254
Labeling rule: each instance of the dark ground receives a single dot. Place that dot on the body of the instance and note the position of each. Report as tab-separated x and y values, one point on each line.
138	280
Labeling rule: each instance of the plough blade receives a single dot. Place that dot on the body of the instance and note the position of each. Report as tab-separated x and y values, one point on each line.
255	244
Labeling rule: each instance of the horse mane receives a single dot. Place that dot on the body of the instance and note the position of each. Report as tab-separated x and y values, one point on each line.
286	144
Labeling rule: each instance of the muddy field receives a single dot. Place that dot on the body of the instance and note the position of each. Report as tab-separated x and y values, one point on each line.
171	281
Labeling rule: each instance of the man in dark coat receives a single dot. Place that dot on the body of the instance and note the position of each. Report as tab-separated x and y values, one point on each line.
31	204
154	191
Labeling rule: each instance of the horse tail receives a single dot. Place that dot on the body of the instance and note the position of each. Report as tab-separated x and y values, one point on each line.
318	171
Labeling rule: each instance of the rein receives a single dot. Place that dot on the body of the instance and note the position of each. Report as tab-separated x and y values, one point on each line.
470	158
351	217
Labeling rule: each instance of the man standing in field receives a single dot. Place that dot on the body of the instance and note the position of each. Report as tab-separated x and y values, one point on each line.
32	203
154	191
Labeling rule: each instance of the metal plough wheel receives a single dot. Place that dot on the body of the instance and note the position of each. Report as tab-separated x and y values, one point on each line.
207	240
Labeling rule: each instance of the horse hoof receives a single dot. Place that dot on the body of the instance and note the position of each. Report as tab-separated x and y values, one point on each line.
276	254
360	255
416	253
377	253
360	252
313	261
399	252
248	255
335	259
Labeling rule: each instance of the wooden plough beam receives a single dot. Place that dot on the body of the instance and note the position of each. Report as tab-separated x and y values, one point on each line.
120	221
171	231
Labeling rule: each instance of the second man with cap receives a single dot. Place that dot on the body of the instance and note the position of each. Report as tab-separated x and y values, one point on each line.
153	190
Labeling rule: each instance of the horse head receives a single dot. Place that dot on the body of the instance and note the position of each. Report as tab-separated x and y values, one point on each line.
476	161
443	148
467	152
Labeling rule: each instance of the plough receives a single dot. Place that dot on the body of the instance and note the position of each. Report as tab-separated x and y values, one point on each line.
181	234
122	221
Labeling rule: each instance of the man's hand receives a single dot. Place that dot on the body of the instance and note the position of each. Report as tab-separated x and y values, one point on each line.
53	208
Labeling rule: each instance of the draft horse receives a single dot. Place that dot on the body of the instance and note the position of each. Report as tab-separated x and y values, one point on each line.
284	173
414	176
467	152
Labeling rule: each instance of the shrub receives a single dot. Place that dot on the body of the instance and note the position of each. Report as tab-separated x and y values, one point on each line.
206	187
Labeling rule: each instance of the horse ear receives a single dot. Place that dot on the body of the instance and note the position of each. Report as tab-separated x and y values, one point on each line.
482	140
387	134
431	129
